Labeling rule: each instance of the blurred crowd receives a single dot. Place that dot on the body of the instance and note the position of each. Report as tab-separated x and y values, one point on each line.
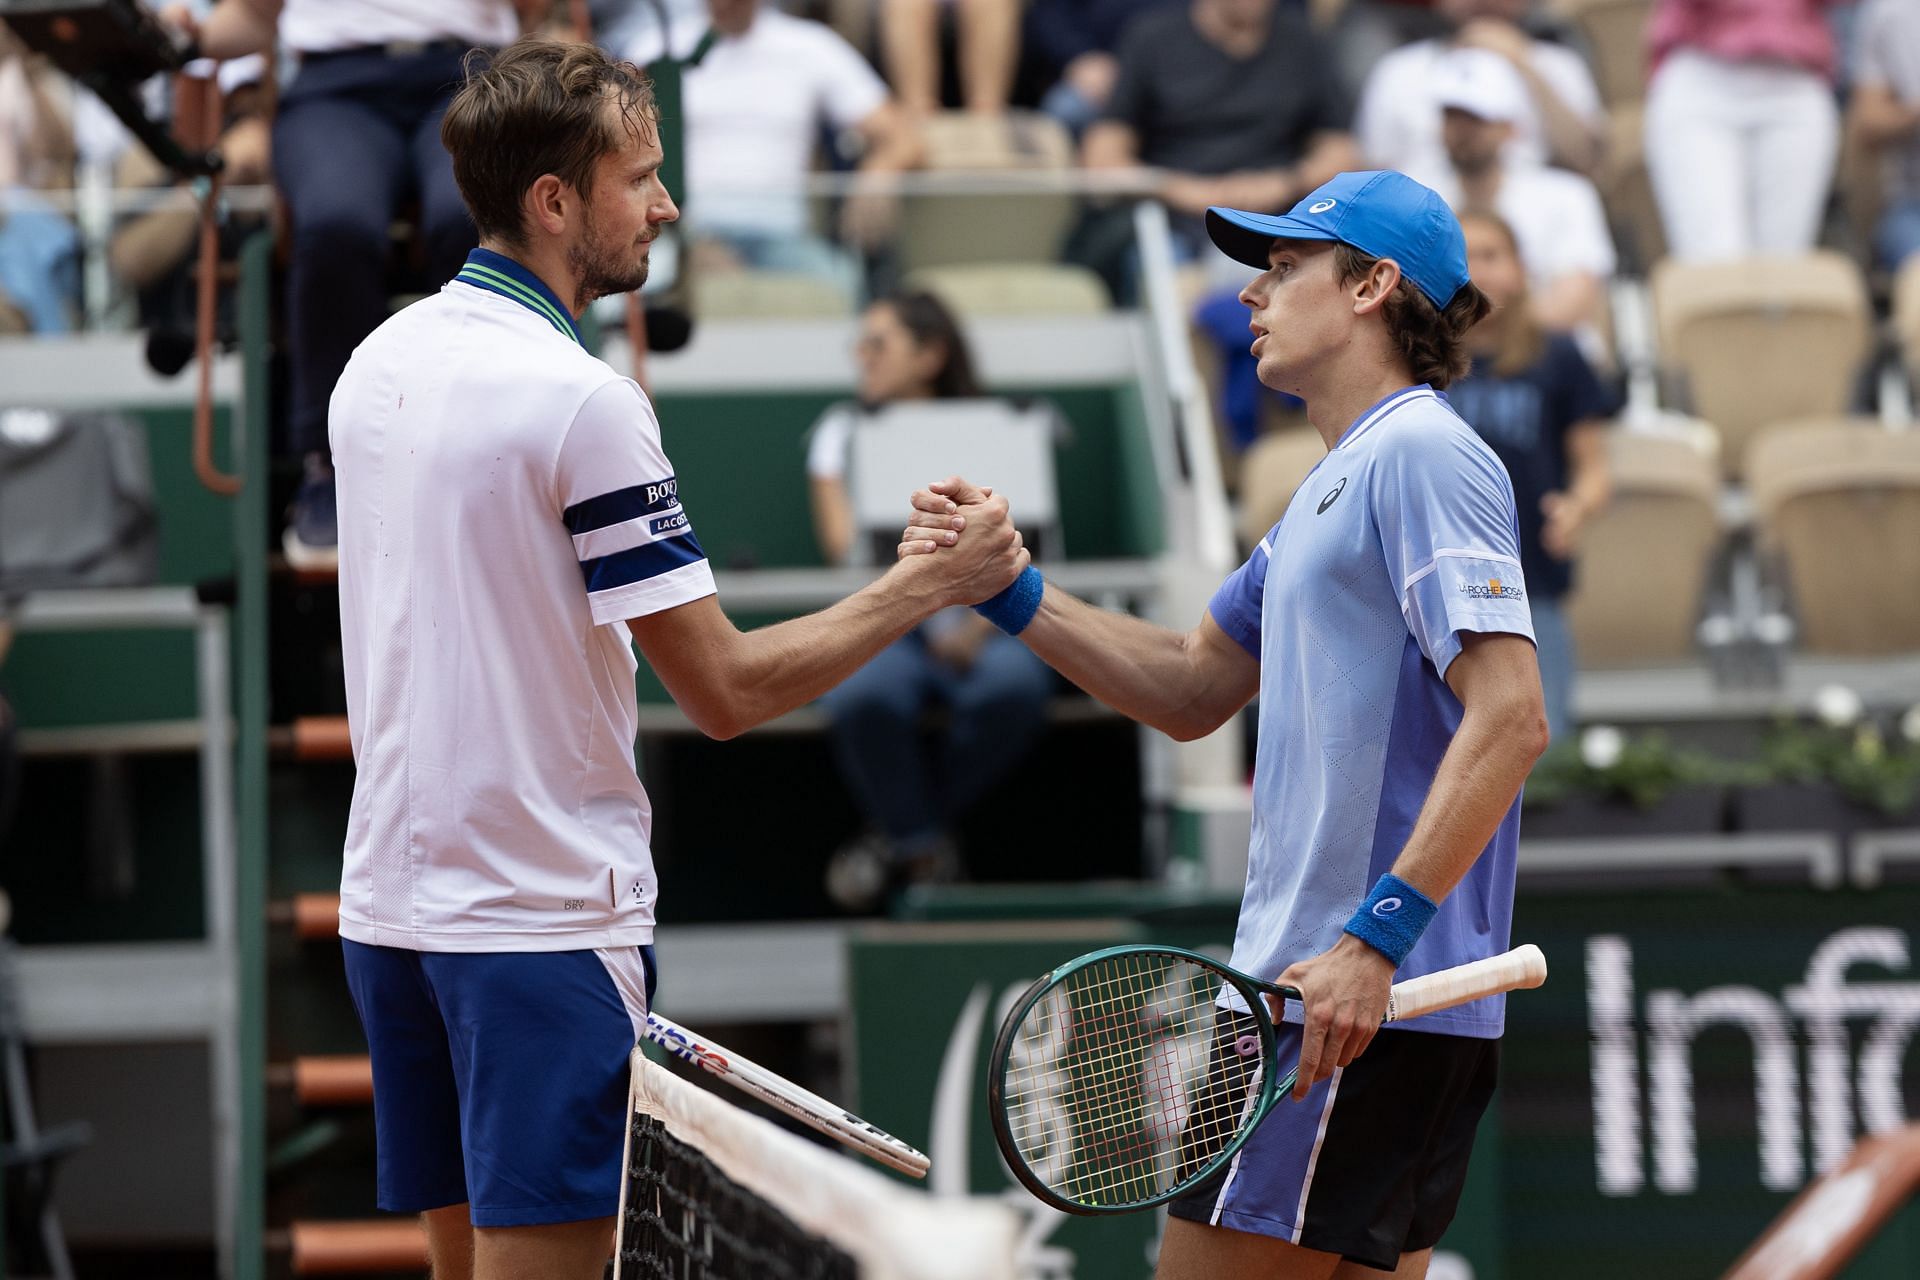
1743	112
1583	142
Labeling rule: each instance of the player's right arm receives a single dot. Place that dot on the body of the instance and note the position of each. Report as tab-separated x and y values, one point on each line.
618	500
727	680
1185	684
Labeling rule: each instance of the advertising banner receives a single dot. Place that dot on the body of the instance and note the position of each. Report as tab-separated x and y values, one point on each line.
1695	1058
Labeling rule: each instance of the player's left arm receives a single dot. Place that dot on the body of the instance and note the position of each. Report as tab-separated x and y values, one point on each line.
1503	730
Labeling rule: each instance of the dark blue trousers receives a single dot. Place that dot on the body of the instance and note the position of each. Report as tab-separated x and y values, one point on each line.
356	142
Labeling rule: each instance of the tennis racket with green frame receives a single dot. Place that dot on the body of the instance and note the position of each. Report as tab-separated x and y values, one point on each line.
1118	1083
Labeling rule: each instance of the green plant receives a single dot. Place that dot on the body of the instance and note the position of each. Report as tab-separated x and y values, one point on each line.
1856	759
1641	770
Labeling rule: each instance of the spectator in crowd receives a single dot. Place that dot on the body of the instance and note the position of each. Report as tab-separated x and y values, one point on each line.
1537	403
988	33
753	108
911	348
39	247
155	252
1742	129
1556	215
1399	118
356	141
1073	44
1233	101
1886	113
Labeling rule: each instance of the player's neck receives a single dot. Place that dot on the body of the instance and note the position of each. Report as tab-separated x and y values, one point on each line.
1334	407
549	262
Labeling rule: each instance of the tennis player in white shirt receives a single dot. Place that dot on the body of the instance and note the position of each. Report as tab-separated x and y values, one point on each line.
509	527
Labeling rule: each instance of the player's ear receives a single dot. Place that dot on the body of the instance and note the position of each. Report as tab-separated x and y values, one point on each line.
547	204
1372	290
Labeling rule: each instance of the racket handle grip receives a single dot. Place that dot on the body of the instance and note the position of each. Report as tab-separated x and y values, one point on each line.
1524	966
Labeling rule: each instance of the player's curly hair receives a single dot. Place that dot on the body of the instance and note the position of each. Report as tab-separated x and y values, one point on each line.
1433	339
533	109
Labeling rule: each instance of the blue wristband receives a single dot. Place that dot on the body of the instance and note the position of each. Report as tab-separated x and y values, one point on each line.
1392	918
1014	608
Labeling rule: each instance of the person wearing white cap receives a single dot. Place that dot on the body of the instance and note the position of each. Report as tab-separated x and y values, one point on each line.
1556	215
1564	123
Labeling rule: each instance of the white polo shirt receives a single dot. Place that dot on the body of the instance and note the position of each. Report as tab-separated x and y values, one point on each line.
320	26
505	507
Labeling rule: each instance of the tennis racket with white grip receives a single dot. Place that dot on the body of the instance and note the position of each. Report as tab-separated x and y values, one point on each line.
803	1105
1117	1081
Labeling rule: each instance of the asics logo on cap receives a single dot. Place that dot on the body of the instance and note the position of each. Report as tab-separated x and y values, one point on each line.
1322	206
1387	906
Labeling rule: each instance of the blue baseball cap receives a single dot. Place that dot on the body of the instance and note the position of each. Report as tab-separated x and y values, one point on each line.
1382	213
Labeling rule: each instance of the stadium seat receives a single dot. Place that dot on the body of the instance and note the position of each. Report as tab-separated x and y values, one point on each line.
1645	559
1838	502
1615	33
1014	289
742	295
1272	468
1005	224
1762	340
1627	191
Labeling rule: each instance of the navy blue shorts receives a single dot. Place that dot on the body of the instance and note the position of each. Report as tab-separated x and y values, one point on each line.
1372	1164
500	1079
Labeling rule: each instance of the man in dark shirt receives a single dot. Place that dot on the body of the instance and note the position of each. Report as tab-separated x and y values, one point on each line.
1236	101
1071	43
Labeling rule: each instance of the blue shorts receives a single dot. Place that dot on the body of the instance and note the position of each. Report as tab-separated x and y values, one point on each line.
500	1079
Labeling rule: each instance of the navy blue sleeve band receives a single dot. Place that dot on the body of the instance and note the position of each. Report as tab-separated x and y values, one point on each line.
1392	918
1014	608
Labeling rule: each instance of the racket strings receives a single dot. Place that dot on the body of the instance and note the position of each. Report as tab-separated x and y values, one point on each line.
1121	1081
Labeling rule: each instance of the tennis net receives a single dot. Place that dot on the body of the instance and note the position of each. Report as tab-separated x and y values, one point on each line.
714	1193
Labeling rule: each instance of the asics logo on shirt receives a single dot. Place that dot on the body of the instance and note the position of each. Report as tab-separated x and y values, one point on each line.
1328	500
1387	906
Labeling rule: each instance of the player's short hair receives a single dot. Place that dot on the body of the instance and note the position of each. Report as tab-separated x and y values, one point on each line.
1433	339
536	108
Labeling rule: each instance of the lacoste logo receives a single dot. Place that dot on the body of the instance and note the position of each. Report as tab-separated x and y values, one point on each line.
1386	906
1328	500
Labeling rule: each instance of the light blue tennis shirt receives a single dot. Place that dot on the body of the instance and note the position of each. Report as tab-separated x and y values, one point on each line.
1400	540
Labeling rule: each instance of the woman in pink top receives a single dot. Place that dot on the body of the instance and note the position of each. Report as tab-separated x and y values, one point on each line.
1742	126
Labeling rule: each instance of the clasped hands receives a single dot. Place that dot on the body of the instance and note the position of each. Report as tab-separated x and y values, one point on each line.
964	538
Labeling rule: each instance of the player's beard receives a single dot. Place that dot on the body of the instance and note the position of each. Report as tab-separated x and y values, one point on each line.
604	268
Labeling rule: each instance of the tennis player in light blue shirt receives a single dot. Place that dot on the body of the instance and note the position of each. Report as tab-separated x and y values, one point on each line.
1384	624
